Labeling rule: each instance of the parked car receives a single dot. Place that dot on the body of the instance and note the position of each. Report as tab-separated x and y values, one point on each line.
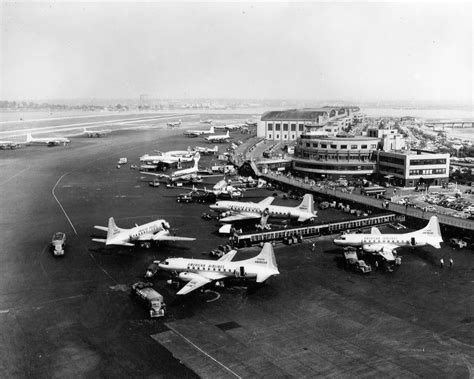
58	243
152	269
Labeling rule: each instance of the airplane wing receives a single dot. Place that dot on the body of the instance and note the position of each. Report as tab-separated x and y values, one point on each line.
195	283
241	216
104	228
383	249
228	257
154	174
267	201
166	236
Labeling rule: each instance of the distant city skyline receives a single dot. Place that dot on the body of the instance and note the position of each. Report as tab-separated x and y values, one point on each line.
311	51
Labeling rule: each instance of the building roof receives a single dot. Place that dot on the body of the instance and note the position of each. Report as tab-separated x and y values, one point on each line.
305	114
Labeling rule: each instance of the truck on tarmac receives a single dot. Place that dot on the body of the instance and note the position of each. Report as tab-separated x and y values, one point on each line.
144	292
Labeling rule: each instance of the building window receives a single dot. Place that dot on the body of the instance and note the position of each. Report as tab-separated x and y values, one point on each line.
292	136
270	126
343	146
324	146
315	144
363	146
373	146
269	136
285	127
300	127
354	147
333	146
293	127
285	136
277	127
277	136
307	144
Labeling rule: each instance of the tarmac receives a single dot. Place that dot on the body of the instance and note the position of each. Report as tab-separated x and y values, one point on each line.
73	316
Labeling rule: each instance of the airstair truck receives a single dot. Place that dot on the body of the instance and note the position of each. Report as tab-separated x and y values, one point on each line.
153	299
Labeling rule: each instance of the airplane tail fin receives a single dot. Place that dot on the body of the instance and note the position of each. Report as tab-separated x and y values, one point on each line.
211	129
112	229
196	160
216	148
433	231
307	204
266	259
29	137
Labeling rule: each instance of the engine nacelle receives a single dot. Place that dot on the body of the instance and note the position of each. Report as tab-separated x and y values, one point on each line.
188	276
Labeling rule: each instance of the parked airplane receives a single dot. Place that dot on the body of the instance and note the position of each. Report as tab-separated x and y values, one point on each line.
188	174
251	123
248	210
209	121
206	150
49	141
4	145
199	272
169	157
96	133
155	231
173	124
229	126
197	133
219	138
385	244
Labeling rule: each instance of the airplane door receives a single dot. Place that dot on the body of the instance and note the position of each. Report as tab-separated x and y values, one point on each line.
242	271
413	243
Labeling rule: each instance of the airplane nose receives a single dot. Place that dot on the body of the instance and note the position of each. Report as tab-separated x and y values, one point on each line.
214	207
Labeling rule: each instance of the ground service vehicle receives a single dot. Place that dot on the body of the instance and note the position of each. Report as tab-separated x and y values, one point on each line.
351	261
457	242
154	183
204	197
154	301
58	243
152	269
184	198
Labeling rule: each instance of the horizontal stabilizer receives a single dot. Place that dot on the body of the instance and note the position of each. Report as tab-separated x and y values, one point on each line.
101	240
103	228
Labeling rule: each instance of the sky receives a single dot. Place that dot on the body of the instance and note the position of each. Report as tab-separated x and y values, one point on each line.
356	51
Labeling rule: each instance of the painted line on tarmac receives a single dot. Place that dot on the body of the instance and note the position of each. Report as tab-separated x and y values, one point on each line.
202	351
217	297
65	214
14	176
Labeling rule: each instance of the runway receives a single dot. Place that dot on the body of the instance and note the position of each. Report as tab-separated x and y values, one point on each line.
73	316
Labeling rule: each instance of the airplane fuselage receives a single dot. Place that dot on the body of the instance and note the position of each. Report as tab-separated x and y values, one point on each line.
375	241
275	211
200	266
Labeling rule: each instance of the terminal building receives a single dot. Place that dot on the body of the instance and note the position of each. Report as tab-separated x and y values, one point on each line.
318	155
289	125
411	168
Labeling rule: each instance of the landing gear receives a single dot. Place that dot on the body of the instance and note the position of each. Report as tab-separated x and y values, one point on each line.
146	245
